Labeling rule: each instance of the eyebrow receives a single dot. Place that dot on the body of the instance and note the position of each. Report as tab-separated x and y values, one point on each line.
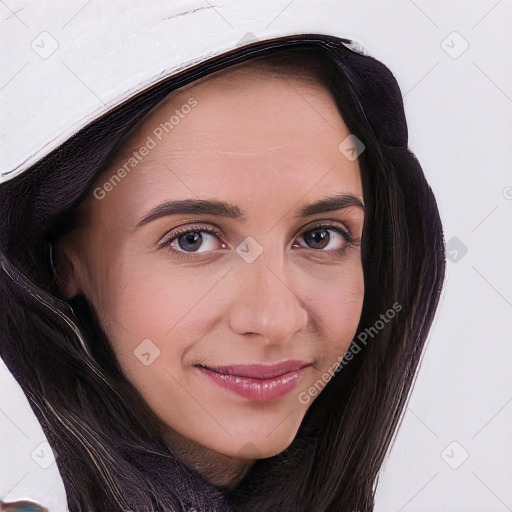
232	211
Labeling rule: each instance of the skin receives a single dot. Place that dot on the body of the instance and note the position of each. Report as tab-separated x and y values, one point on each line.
268	144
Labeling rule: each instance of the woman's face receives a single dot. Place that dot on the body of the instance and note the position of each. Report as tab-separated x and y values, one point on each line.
258	282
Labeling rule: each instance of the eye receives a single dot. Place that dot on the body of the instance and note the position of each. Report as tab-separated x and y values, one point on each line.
186	242
319	237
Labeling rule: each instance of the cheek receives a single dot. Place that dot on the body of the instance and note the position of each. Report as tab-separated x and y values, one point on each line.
170	309
337	304
177	309
158	304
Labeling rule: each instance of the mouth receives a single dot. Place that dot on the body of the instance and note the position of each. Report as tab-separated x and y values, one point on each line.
255	381
259	371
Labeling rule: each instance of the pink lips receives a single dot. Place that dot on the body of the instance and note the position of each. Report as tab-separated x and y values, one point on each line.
257	382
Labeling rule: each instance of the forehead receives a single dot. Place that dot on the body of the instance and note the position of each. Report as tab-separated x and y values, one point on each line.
233	105
240	130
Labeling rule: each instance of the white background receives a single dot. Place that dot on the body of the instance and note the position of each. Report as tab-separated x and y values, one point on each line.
458	105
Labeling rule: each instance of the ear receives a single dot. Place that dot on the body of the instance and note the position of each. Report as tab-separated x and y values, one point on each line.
65	264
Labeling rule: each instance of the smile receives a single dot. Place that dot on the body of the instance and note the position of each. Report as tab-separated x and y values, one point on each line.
257	382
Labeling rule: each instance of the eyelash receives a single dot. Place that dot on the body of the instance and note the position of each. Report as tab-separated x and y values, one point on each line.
202	229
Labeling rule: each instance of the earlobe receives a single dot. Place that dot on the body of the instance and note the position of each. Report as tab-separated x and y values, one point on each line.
64	270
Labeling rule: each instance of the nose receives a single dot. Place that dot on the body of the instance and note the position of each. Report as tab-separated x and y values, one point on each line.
266	302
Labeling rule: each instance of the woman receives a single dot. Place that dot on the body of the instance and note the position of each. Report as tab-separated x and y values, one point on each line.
216	295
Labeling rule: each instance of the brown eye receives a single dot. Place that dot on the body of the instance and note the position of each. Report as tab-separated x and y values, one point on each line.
320	237
317	238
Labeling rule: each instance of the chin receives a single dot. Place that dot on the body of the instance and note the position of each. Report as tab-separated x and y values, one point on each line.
256	445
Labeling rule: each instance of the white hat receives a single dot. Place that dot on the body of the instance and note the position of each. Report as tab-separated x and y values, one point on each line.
82	64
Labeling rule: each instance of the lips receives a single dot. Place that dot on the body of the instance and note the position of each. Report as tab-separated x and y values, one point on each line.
259	371
257	382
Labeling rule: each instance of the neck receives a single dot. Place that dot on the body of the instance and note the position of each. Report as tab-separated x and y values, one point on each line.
220	470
